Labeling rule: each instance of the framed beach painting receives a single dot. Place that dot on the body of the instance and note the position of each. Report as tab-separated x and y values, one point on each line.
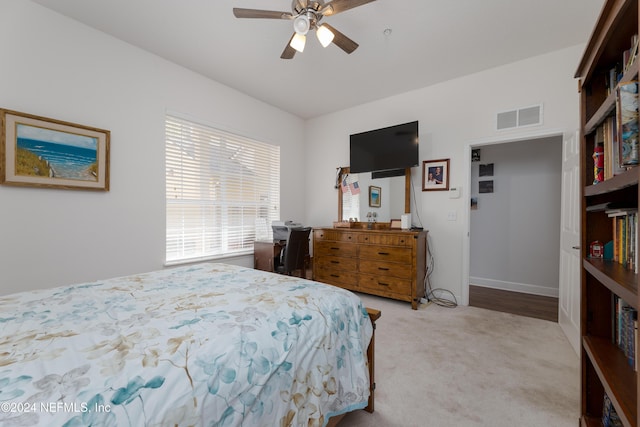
374	196
42	152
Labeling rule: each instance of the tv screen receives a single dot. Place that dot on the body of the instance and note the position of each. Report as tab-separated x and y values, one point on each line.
393	147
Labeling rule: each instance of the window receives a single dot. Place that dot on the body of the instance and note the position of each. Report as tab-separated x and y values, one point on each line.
220	187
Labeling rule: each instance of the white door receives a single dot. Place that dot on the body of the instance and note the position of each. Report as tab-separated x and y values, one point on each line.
569	288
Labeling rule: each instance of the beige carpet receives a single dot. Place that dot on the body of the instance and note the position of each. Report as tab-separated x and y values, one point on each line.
468	366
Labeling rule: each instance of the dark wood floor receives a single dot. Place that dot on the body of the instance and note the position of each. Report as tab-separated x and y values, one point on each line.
514	302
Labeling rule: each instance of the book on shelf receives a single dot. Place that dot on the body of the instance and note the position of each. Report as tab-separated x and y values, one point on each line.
625	326
629	55
610	417
616	73
608	147
625	236
616	139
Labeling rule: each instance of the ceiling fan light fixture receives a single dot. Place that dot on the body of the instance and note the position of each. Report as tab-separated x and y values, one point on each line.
325	35
301	24
298	41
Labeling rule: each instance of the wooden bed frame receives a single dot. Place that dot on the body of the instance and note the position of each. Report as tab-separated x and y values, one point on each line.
373	315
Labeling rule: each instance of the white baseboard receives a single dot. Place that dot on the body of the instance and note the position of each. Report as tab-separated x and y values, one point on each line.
515	287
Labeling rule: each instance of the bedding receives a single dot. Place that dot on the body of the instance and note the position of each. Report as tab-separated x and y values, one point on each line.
202	345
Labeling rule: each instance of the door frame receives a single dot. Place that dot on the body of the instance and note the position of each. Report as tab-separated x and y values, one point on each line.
478	143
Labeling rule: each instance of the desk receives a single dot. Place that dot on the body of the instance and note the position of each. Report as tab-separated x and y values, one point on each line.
266	254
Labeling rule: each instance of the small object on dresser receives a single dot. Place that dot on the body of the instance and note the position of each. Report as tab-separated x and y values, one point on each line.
342	224
596	249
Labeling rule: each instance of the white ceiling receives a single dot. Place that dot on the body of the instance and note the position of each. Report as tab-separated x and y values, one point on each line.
431	41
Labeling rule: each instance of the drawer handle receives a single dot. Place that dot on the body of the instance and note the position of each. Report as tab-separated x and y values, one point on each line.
334	275
383	253
383	284
335	262
383	268
335	249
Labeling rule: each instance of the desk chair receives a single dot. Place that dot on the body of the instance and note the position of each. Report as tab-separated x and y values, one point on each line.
296	252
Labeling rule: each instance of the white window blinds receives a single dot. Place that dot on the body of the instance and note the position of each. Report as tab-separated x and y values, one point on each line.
220	186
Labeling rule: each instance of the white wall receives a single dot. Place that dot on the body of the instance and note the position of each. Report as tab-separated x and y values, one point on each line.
519	221
451	116
58	68
55	67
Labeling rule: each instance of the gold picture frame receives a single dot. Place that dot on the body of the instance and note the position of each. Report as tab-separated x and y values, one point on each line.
374	196
42	152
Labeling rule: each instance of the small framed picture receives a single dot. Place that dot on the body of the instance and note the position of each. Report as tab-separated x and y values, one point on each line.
486	170
485	186
41	152
395	224
374	196
435	175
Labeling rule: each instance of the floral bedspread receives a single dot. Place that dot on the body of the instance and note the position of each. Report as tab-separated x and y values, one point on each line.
204	345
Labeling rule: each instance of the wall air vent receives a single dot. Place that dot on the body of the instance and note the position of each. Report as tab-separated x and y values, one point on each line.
527	116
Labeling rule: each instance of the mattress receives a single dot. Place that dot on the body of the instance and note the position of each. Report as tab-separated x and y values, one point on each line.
202	345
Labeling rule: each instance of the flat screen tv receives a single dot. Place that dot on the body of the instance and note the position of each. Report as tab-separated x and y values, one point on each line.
393	147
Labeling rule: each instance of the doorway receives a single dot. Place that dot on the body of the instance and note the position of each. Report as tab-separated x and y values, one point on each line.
522	304
514	218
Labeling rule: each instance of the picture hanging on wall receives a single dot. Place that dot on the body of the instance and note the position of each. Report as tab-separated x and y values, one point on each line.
486	170
485	186
435	175
40	152
374	196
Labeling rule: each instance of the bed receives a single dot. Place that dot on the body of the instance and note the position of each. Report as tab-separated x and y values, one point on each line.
203	345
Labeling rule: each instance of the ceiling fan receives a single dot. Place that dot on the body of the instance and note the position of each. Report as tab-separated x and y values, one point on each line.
306	15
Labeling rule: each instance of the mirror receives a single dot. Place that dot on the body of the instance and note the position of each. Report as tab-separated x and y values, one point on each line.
390	198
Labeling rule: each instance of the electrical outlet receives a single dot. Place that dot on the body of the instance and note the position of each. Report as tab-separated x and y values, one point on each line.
452	216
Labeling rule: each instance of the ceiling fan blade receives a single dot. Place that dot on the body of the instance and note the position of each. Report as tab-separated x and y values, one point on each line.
342	41
264	14
288	52
336	6
299	5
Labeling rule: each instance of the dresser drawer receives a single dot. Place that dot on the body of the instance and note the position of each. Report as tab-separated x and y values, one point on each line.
336	263
386	239
334	235
386	253
348	279
383	268
384	284
330	248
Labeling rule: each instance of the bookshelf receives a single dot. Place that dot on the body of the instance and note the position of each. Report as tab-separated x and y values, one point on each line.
609	203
